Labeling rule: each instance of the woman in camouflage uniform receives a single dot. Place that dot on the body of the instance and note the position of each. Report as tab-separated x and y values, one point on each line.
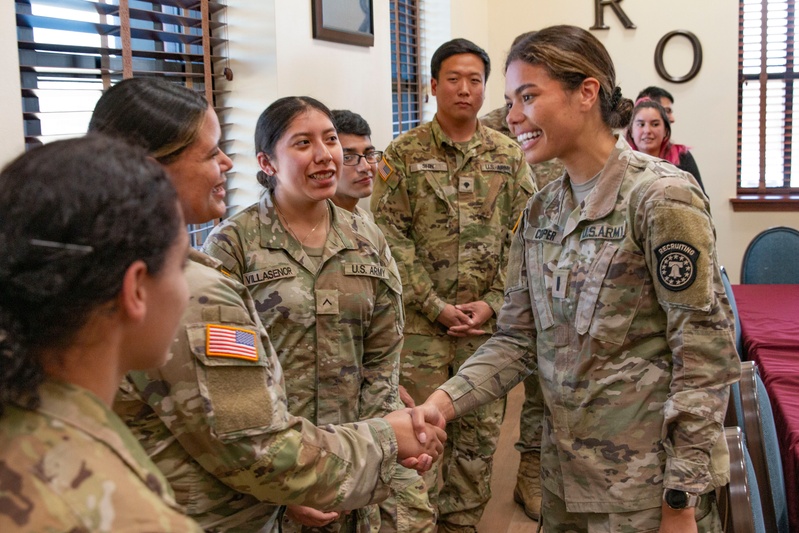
328	291
91	286
614	296
214	417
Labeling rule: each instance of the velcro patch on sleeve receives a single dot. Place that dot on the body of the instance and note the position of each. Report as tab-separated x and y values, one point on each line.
384	169
229	341
676	265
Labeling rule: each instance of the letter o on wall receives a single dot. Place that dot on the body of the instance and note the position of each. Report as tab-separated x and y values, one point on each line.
697	64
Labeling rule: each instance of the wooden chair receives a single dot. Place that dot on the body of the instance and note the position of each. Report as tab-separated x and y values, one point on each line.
739	501
760	438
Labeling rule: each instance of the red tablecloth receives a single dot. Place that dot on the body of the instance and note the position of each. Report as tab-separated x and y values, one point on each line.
770	331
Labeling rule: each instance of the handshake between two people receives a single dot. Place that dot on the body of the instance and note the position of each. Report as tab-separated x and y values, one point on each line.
420	431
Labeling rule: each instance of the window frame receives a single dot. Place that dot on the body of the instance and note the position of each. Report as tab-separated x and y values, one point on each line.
761	197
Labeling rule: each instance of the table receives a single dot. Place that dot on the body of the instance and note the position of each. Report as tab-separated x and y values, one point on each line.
770	332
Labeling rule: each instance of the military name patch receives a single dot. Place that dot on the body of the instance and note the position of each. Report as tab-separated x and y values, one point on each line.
676	265
384	169
269	274
497	167
432	166
603	231
228	341
365	269
545	234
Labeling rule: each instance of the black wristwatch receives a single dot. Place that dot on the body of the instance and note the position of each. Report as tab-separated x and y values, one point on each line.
679	499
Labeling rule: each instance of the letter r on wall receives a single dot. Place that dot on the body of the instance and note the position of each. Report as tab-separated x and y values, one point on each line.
599	12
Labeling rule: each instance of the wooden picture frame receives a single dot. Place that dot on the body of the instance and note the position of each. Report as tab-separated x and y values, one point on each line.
343	21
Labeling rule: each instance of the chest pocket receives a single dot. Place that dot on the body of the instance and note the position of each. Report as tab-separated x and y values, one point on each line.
537	285
611	294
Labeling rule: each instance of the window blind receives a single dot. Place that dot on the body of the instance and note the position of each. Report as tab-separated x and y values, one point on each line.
72	50
767	96
406	77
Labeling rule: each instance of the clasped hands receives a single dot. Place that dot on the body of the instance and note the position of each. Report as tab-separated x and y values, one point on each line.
465	320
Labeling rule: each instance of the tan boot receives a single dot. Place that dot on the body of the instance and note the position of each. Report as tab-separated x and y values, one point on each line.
528	485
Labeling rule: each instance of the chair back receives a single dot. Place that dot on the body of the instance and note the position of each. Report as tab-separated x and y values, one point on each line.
760	436
725	279
772	257
739	501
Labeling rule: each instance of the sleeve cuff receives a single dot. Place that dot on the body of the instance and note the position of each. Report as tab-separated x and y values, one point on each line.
432	307
689	476
458	389
387	441
495	301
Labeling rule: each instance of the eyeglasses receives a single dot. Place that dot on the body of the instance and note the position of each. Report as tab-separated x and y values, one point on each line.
352	160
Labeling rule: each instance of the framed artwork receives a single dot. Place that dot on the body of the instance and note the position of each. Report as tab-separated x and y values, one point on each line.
343	21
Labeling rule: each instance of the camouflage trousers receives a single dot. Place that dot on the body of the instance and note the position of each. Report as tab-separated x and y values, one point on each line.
531	419
427	362
556	519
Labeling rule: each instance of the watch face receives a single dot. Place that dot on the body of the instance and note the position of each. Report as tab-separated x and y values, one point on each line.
677	499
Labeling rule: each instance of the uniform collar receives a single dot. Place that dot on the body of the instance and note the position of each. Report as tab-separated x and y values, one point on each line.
602	200
274	236
480	141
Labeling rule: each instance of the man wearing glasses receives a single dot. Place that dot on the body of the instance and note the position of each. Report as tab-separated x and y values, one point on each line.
360	161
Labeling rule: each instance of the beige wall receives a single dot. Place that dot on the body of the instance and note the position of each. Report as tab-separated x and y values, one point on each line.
705	107
273	54
11	132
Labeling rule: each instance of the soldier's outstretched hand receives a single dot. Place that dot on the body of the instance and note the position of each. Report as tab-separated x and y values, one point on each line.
412	453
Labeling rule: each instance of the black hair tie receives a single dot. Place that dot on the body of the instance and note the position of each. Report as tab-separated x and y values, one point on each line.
615	98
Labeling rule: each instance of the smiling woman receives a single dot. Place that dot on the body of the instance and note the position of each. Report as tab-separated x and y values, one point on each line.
328	291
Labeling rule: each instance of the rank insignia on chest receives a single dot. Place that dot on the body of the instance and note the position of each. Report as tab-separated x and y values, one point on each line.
466	184
676	265
229	341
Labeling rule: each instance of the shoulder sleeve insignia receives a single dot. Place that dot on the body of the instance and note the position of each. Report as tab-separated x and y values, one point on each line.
384	169
676	265
229	341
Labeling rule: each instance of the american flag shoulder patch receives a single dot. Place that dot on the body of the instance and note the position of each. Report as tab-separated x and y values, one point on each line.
384	169
229	341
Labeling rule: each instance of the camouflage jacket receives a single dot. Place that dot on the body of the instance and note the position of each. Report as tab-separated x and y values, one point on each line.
619	305
72	465
543	173
215	420
337	328
447	211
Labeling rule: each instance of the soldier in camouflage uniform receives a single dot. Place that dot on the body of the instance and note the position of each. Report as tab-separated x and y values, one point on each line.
71	323
214	418
527	492
449	195
614	297
333	312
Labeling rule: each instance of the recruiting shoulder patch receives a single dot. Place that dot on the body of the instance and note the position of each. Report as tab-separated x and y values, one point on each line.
229	341
676	264
384	169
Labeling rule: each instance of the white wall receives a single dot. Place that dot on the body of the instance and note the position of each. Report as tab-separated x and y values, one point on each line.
705	107
11	132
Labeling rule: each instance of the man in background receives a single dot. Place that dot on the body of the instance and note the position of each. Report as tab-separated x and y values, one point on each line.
449	194
662	96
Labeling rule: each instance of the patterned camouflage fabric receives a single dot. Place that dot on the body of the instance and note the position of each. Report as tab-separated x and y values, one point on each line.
72	465
447	210
619	306
543	173
336	324
216	421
